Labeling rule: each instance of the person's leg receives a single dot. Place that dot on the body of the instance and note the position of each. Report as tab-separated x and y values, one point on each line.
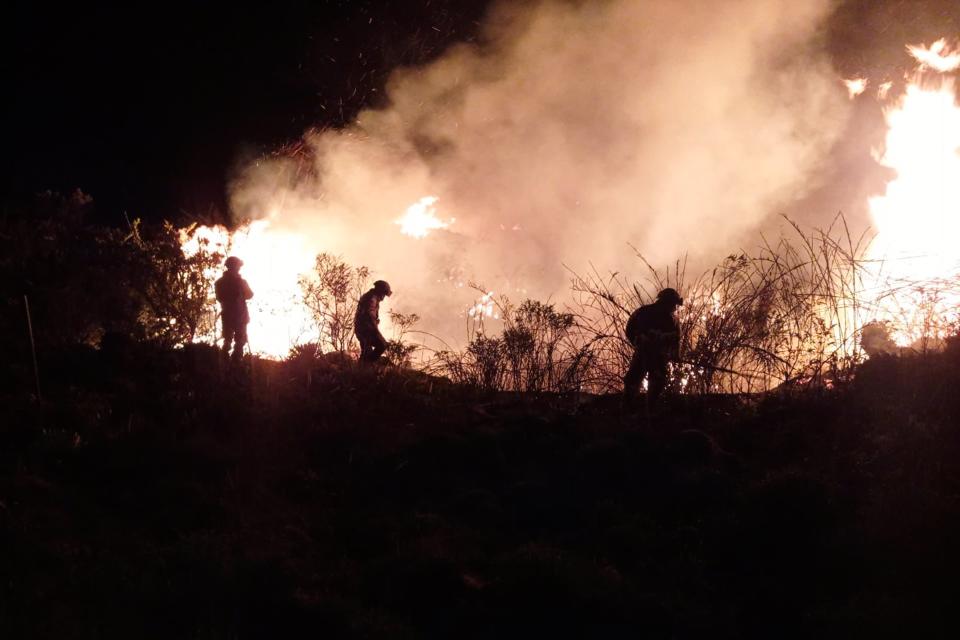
377	346
658	381
227	337
634	375
240	341
364	341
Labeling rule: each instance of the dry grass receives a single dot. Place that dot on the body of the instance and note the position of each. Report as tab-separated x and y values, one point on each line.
804	309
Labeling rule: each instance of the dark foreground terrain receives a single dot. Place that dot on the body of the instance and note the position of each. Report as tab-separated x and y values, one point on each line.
148	498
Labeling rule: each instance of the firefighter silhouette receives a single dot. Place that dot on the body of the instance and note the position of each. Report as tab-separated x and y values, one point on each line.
232	294
367	320
655	335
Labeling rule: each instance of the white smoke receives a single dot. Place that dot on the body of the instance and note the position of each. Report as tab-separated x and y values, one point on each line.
571	131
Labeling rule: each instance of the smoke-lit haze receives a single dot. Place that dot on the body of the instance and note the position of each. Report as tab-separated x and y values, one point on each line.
570	132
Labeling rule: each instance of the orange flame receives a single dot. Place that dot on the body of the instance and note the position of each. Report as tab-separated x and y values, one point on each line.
856	86
939	56
274	260
421	218
918	218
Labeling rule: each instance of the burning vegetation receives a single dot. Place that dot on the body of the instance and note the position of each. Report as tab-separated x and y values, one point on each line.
806	307
487	481
803	308
917	218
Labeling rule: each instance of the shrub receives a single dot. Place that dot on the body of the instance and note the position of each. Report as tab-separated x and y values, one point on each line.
331	293
84	280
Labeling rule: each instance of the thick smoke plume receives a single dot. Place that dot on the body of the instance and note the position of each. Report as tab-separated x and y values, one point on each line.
571	131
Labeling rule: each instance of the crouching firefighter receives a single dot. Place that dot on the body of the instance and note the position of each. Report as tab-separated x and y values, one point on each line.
655	335
367	320
232	294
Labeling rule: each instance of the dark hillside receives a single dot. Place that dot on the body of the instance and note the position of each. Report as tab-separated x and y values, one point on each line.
156	496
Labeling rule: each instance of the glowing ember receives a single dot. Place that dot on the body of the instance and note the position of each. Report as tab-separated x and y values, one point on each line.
939	56
856	86
918	218
421	218
273	262
485	307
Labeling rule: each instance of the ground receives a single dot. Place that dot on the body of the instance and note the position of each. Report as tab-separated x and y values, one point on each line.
155	494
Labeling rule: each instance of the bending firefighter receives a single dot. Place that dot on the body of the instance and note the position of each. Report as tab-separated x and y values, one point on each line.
655	335
367	320
232	294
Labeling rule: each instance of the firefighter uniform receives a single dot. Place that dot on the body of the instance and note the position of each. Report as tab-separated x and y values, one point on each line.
232	294
366	322
655	335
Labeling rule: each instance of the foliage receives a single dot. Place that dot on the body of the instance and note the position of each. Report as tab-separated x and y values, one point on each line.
331	294
84	280
789	313
178	299
792	312
386	503
69	271
796	311
480	365
537	350
400	353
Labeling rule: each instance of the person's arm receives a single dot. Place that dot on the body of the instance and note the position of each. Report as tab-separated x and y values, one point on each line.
366	313
218	290
247	291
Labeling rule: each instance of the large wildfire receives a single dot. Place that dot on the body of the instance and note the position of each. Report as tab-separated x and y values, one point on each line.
914	253
279	259
279	319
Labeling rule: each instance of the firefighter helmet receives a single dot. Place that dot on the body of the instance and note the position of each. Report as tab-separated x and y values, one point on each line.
670	296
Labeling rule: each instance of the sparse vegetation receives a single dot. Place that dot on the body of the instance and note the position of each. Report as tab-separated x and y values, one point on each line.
155	492
794	312
537	351
788	313
400	353
331	293
154	495
85	280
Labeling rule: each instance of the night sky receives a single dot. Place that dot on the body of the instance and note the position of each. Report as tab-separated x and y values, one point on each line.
150	110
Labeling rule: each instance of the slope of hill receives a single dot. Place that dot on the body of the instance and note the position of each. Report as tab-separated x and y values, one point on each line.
153	494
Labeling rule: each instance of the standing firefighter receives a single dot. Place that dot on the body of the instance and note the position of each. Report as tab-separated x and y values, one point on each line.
232	294
653	331
367	320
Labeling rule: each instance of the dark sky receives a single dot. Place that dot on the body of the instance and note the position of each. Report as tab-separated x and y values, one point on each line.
150	110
